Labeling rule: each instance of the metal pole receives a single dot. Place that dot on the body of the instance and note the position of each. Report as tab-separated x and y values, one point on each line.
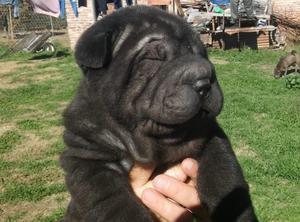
51	23
10	23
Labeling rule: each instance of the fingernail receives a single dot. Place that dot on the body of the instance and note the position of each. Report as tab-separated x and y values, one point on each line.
189	164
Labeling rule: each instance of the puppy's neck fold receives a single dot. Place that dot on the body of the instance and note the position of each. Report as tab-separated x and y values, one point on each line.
122	139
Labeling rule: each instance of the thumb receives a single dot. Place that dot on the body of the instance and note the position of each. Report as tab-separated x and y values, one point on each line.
140	174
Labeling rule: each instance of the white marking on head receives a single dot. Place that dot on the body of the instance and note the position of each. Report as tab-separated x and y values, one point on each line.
141	43
122	38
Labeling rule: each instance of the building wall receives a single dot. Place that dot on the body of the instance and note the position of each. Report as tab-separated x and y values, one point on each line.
286	13
77	25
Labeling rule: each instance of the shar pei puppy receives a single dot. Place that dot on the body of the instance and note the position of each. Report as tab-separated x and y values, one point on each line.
149	95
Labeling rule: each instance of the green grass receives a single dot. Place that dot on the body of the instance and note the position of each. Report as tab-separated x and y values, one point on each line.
54	216
260	115
8	140
17	192
31	134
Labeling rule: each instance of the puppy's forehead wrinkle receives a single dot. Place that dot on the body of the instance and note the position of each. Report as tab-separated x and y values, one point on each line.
141	43
121	38
127	35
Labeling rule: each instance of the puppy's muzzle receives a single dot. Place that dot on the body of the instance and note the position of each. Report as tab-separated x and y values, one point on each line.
187	91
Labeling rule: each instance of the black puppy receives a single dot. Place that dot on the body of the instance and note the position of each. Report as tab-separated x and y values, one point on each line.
148	95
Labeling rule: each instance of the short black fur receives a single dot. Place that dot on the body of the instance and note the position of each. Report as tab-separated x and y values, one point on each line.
149	95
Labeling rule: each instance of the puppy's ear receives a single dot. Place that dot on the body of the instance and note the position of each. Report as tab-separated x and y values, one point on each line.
93	50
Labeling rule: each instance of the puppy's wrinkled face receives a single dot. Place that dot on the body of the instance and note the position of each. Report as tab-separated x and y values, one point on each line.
154	78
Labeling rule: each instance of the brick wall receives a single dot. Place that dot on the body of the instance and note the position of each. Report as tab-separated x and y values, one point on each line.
76	25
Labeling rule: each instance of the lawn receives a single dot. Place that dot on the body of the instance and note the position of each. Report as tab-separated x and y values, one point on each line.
260	115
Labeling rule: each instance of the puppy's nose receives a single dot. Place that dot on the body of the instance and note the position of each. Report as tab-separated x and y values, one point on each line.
202	86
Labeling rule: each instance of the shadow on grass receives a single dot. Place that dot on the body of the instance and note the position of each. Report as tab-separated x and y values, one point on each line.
47	55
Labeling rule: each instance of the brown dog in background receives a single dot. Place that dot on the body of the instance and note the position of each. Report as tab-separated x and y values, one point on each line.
291	59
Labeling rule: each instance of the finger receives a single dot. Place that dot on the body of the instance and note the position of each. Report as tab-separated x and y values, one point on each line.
190	167
140	174
139	178
177	173
180	192
164	207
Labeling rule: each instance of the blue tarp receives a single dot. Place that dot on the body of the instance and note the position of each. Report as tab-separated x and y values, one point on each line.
6	2
15	3
74	7
220	2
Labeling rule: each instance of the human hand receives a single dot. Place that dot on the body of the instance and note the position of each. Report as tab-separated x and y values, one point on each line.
171	195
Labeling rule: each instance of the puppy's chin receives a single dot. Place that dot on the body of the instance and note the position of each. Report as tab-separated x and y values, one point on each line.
172	142
174	138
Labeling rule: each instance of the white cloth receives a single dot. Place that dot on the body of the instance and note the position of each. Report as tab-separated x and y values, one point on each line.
47	7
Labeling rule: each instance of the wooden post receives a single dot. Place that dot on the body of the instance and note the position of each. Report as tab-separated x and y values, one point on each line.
223	22
178	8
11	31
213	24
92	5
